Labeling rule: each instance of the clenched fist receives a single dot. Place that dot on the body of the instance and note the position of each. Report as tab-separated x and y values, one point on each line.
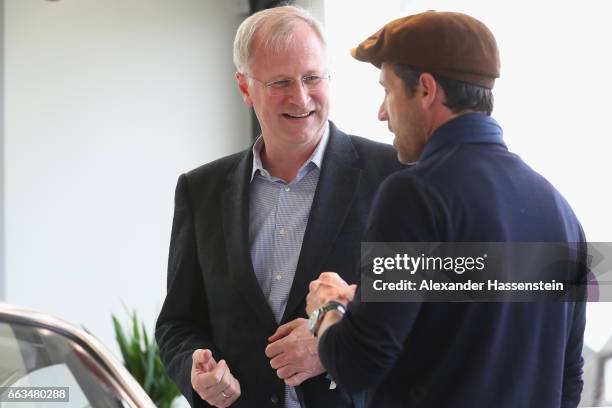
213	381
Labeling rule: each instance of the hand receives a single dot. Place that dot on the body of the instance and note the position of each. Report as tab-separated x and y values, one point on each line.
293	353
329	286
213	381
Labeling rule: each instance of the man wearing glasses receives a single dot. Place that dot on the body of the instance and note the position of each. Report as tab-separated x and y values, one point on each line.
251	230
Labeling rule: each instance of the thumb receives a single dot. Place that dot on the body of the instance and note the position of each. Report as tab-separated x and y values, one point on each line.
283	331
219	370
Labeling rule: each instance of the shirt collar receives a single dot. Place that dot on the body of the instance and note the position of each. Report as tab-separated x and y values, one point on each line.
467	128
316	157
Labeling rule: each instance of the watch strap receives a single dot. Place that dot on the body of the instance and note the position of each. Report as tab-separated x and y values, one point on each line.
329	306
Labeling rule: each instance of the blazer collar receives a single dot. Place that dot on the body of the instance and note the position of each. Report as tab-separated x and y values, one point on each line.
332	202
333	199
235	201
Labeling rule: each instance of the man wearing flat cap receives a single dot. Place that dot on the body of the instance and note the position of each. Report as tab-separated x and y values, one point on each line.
438	70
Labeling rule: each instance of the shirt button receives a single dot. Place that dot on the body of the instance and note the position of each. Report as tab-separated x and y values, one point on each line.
274	399
278	276
287	189
281	231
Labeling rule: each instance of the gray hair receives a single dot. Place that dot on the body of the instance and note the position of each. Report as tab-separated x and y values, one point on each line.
275	26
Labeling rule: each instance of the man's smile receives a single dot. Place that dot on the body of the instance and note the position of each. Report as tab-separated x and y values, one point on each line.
298	115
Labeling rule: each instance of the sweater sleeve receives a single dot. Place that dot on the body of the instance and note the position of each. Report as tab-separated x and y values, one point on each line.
360	349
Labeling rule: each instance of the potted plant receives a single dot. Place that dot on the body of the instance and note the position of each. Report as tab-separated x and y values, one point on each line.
141	357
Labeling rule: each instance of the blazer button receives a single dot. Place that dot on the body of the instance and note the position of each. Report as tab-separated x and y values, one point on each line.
274	399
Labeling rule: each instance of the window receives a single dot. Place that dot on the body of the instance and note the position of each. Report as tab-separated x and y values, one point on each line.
37	357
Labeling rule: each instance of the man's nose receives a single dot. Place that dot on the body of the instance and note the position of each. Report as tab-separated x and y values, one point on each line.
382	112
300	95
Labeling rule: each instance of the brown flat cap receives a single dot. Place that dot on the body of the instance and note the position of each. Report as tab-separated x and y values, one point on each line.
453	45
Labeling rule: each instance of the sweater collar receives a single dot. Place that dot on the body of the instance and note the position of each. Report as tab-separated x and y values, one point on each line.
467	128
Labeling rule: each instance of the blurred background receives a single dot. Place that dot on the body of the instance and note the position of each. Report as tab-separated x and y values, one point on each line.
105	103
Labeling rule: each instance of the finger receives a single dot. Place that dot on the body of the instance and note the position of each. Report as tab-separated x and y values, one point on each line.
233	392
279	361
325	288
200	383
236	389
203	360
297	379
286	371
274	349
199	356
328	277
222	373
284	330
351	291
213	394
281	332
313	286
224	397
217	400
215	378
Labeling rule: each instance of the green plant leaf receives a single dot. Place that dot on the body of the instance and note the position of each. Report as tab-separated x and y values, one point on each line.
121	340
141	357
145	337
151	351
135	327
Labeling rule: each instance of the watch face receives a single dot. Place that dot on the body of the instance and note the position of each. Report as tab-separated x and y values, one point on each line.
312	321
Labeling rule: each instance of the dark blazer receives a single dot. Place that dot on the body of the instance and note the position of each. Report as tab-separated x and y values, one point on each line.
466	187
214	300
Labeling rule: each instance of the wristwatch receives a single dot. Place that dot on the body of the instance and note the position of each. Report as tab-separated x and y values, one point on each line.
314	322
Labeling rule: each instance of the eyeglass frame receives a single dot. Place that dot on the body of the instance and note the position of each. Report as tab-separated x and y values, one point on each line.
287	89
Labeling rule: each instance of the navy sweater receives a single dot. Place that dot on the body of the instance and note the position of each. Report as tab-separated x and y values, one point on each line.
466	187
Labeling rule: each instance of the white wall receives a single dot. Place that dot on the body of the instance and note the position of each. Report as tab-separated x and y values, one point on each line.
316	7
2	259
106	103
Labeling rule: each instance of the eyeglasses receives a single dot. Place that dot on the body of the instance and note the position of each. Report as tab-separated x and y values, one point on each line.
284	87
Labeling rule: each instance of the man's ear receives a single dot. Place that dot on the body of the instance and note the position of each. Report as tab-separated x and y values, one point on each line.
243	87
428	89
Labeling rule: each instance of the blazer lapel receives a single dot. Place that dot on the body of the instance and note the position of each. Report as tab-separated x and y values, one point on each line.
335	193
236	231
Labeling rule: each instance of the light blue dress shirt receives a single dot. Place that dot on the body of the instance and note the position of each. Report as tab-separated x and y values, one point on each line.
278	214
